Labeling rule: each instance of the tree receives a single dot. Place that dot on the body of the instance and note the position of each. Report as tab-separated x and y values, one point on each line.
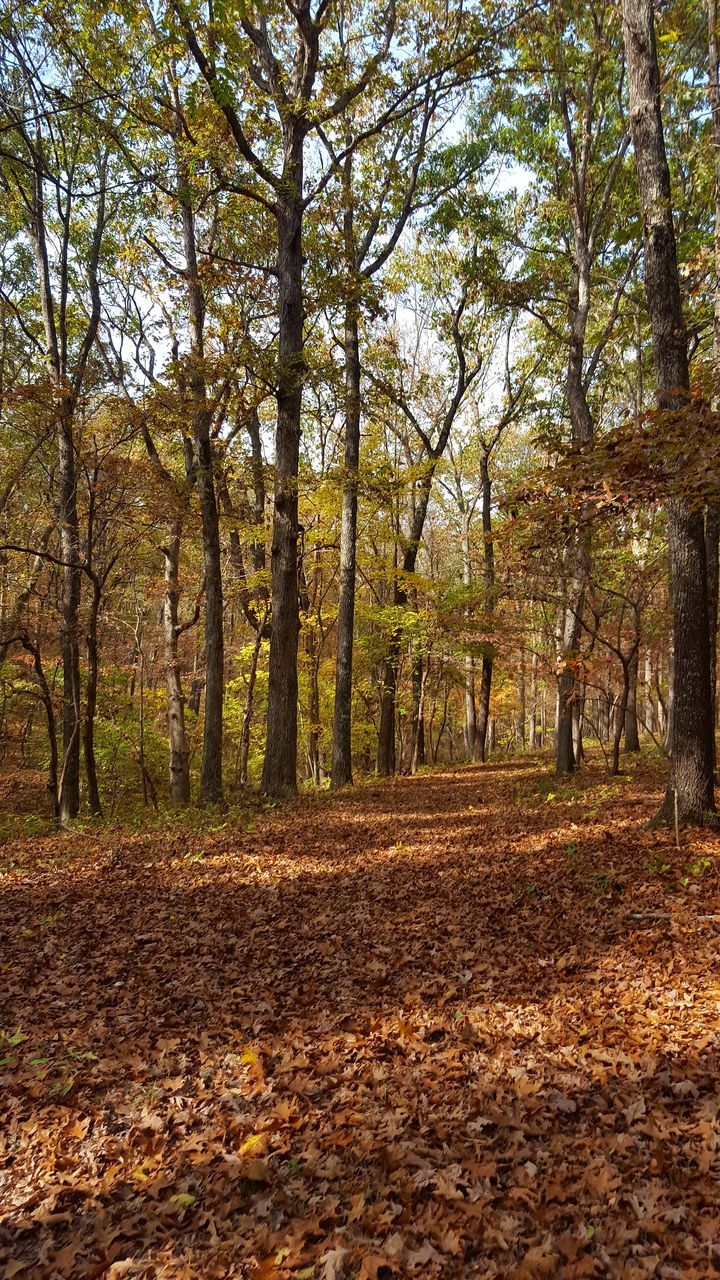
691	744
58	172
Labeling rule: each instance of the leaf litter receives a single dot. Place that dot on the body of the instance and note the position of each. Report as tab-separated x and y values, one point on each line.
456	1025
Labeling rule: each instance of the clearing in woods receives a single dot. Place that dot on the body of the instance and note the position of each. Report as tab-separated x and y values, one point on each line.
457	1025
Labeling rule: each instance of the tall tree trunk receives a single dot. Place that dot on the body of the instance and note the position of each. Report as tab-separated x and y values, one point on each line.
632	739
691	742
533	697
470	730
419	675
249	699
620	718
712	514
385	763
91	702
201	412
280	764
483	717
69	550
521	708
578	549
313	733
418	751
341	773
649	704
177	737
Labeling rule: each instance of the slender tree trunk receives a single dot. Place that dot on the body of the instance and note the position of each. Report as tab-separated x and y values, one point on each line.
649	704
620	719
385	764
578	548
521	708
632	739
712	514
280	764
483	717
418	753
578	717
249	700
91	703
470	731
211	762
313	733
419	676
69	550
691	741
341	773
533	698
177	737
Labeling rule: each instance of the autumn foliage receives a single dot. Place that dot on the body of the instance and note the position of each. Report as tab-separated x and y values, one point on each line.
457	1025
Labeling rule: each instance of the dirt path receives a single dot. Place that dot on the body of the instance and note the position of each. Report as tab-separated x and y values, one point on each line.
459	1025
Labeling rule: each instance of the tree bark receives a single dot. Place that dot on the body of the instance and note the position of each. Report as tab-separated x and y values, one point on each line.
712	514
385	763
632	739
691	740
483	717
177	736
419	676
521	708
533	742
280	763
201	413
249	699
91	702
470	730
70	554
341	772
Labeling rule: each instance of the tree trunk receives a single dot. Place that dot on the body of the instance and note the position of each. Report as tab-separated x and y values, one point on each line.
249	699
691	742
211	762
483	717
341	773
620	719
280	764
177	737
69	551
578	719
313	734
632	739
712	514
418	752
521	707
470	730
649	704
533	742
91	703
385	764
419	676
577	555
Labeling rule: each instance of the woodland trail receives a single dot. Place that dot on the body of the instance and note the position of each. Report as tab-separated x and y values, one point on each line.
458	1025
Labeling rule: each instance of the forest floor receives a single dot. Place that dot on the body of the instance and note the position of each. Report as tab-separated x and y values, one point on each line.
459	1025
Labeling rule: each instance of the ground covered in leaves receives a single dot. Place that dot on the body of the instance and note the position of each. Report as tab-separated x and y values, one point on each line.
459	1025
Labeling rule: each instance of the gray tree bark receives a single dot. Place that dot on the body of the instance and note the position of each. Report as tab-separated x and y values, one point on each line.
691	736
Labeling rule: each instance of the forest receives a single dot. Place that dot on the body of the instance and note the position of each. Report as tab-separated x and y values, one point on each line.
359	532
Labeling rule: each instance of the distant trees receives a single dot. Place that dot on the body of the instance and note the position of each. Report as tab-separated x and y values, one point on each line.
329	336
